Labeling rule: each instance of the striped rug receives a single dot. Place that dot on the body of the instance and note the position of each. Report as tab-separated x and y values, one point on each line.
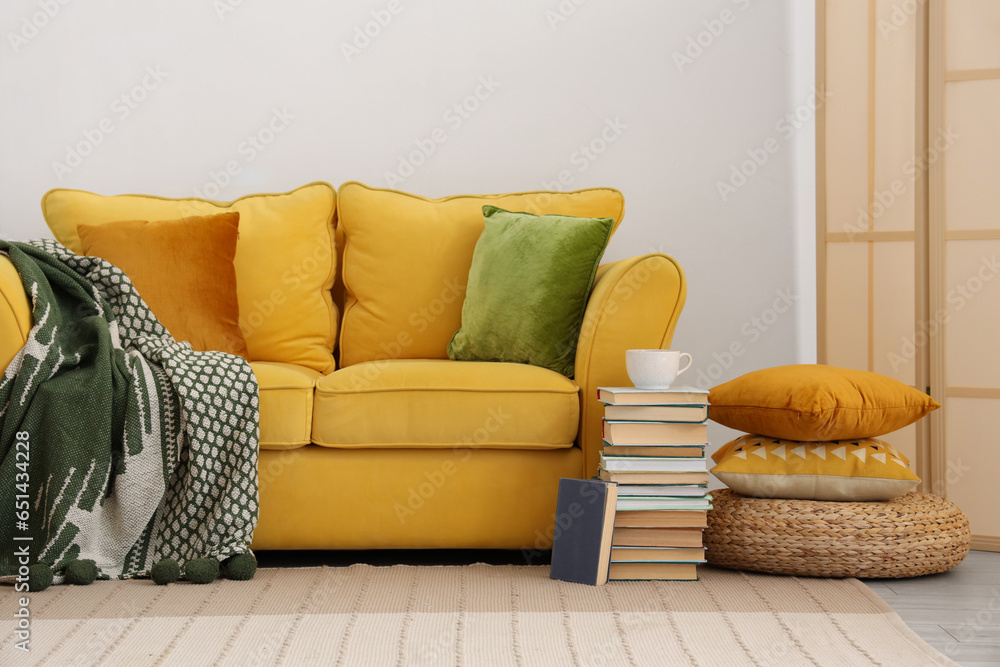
463	615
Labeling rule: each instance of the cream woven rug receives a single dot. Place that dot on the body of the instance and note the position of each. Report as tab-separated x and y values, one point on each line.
472	615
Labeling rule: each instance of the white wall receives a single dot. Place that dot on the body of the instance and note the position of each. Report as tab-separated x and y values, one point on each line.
563	73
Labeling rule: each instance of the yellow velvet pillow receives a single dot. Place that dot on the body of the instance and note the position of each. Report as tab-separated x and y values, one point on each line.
406	262
815	402
183	270
284	263
848	471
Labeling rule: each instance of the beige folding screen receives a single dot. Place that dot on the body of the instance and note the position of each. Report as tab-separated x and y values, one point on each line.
964	251
908	215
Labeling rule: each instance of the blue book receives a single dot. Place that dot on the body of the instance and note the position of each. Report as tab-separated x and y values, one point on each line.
585	518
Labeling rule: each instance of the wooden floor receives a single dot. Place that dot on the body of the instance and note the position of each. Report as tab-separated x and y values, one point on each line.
957	612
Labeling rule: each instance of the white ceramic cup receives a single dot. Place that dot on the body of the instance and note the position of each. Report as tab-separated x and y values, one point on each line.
655	369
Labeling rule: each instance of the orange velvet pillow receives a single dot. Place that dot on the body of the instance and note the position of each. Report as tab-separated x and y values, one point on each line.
183	269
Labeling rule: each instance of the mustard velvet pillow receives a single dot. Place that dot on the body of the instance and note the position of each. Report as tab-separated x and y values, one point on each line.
406	262
816	402
183	270
848	470
284	262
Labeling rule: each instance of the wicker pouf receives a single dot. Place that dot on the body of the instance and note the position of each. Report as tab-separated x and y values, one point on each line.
915	534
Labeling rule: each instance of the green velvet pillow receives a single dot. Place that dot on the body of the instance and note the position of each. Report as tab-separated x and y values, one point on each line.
528	288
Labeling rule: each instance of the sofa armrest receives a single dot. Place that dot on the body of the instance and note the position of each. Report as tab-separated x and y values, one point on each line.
635	303
15	313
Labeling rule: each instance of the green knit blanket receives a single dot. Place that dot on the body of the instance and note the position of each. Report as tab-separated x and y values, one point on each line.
118	443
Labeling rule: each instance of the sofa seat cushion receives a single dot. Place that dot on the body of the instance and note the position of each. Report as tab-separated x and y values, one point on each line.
286	403
443	403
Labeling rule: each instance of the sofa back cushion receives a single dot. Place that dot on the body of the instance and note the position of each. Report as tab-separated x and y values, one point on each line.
284	262
406	262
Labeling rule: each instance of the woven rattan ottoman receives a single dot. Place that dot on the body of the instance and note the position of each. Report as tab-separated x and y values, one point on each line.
915	534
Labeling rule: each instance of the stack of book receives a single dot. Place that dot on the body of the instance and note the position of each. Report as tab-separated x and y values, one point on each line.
654	448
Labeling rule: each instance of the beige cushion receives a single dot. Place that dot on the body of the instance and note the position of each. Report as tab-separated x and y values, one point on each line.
849	471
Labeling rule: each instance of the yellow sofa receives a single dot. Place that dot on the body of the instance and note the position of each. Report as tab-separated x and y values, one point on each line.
398	447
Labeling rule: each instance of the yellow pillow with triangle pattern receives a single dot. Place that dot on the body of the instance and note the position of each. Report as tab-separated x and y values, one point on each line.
843	470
